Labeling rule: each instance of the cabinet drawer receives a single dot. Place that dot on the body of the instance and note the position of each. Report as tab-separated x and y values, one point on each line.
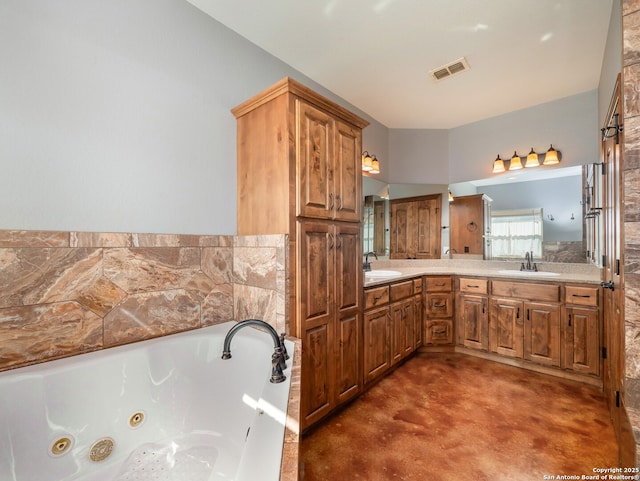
401	290
439	304
582	296
436	284
438	331
526	290
417	285
376	296
473	286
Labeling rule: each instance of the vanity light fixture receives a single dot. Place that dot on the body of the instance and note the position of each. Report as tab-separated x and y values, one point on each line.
367	162
375	165
498	165
516	162
532	159
450	197
370	164
551	157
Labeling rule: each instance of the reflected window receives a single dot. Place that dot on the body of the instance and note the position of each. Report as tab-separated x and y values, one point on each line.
515	232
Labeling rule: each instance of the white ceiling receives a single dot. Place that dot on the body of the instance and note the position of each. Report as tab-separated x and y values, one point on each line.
377	54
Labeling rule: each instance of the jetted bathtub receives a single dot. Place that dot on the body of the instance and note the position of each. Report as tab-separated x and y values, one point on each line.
166	409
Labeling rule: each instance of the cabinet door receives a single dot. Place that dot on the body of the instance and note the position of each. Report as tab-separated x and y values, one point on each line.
398	321
417	321
581	340
348	357
401	238
347	173
377	335
348	299
542	333
474	322
317	319
427	219
507	324
408	338
314	154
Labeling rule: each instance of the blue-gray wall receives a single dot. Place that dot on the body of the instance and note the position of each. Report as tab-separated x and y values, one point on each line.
115	116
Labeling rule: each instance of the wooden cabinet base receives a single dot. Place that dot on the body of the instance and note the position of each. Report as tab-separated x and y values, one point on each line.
531	366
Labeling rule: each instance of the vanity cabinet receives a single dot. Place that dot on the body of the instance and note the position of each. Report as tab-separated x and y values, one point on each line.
402	320
418	313
438	311
377	332
525	321
299	173
415	227
581	320
472	317
392	325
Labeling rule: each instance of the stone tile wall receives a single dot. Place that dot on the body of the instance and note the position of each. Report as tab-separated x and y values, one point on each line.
64	293
631	186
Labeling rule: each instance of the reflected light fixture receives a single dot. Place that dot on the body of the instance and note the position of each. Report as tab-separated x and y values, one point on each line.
551	157
498	165
450	197
532	159
516	162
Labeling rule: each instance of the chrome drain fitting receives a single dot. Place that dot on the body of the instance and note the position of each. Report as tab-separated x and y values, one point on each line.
101	449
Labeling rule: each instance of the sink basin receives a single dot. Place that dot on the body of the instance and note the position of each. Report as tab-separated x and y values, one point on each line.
379	273
516	272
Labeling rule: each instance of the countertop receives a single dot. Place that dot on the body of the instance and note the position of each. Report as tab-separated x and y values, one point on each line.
559	272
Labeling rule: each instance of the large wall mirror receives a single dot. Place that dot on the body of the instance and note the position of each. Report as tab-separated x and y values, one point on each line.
565	201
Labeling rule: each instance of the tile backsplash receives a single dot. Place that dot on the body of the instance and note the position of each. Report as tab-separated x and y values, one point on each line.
64	293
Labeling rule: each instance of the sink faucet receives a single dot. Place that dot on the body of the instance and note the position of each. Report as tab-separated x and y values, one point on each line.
279	356
528	257
367	265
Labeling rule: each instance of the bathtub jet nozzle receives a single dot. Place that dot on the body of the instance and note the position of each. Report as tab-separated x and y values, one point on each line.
279	357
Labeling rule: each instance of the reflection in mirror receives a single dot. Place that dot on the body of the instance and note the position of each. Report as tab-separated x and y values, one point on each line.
553	205
375	234
560	193
376	225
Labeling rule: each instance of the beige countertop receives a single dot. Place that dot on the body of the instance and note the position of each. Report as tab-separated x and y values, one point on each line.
583	273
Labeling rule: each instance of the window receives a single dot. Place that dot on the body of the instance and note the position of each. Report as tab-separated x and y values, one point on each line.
515	232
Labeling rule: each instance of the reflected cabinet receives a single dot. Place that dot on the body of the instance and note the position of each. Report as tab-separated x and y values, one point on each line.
415	227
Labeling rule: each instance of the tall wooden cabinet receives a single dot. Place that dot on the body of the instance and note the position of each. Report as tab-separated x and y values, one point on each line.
299	173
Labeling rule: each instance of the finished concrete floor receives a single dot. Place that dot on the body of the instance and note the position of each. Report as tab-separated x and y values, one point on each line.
448	416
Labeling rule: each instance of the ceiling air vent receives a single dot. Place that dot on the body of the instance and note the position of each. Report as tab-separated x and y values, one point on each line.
440	73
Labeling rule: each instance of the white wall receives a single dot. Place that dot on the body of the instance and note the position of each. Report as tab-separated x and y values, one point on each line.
115	115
